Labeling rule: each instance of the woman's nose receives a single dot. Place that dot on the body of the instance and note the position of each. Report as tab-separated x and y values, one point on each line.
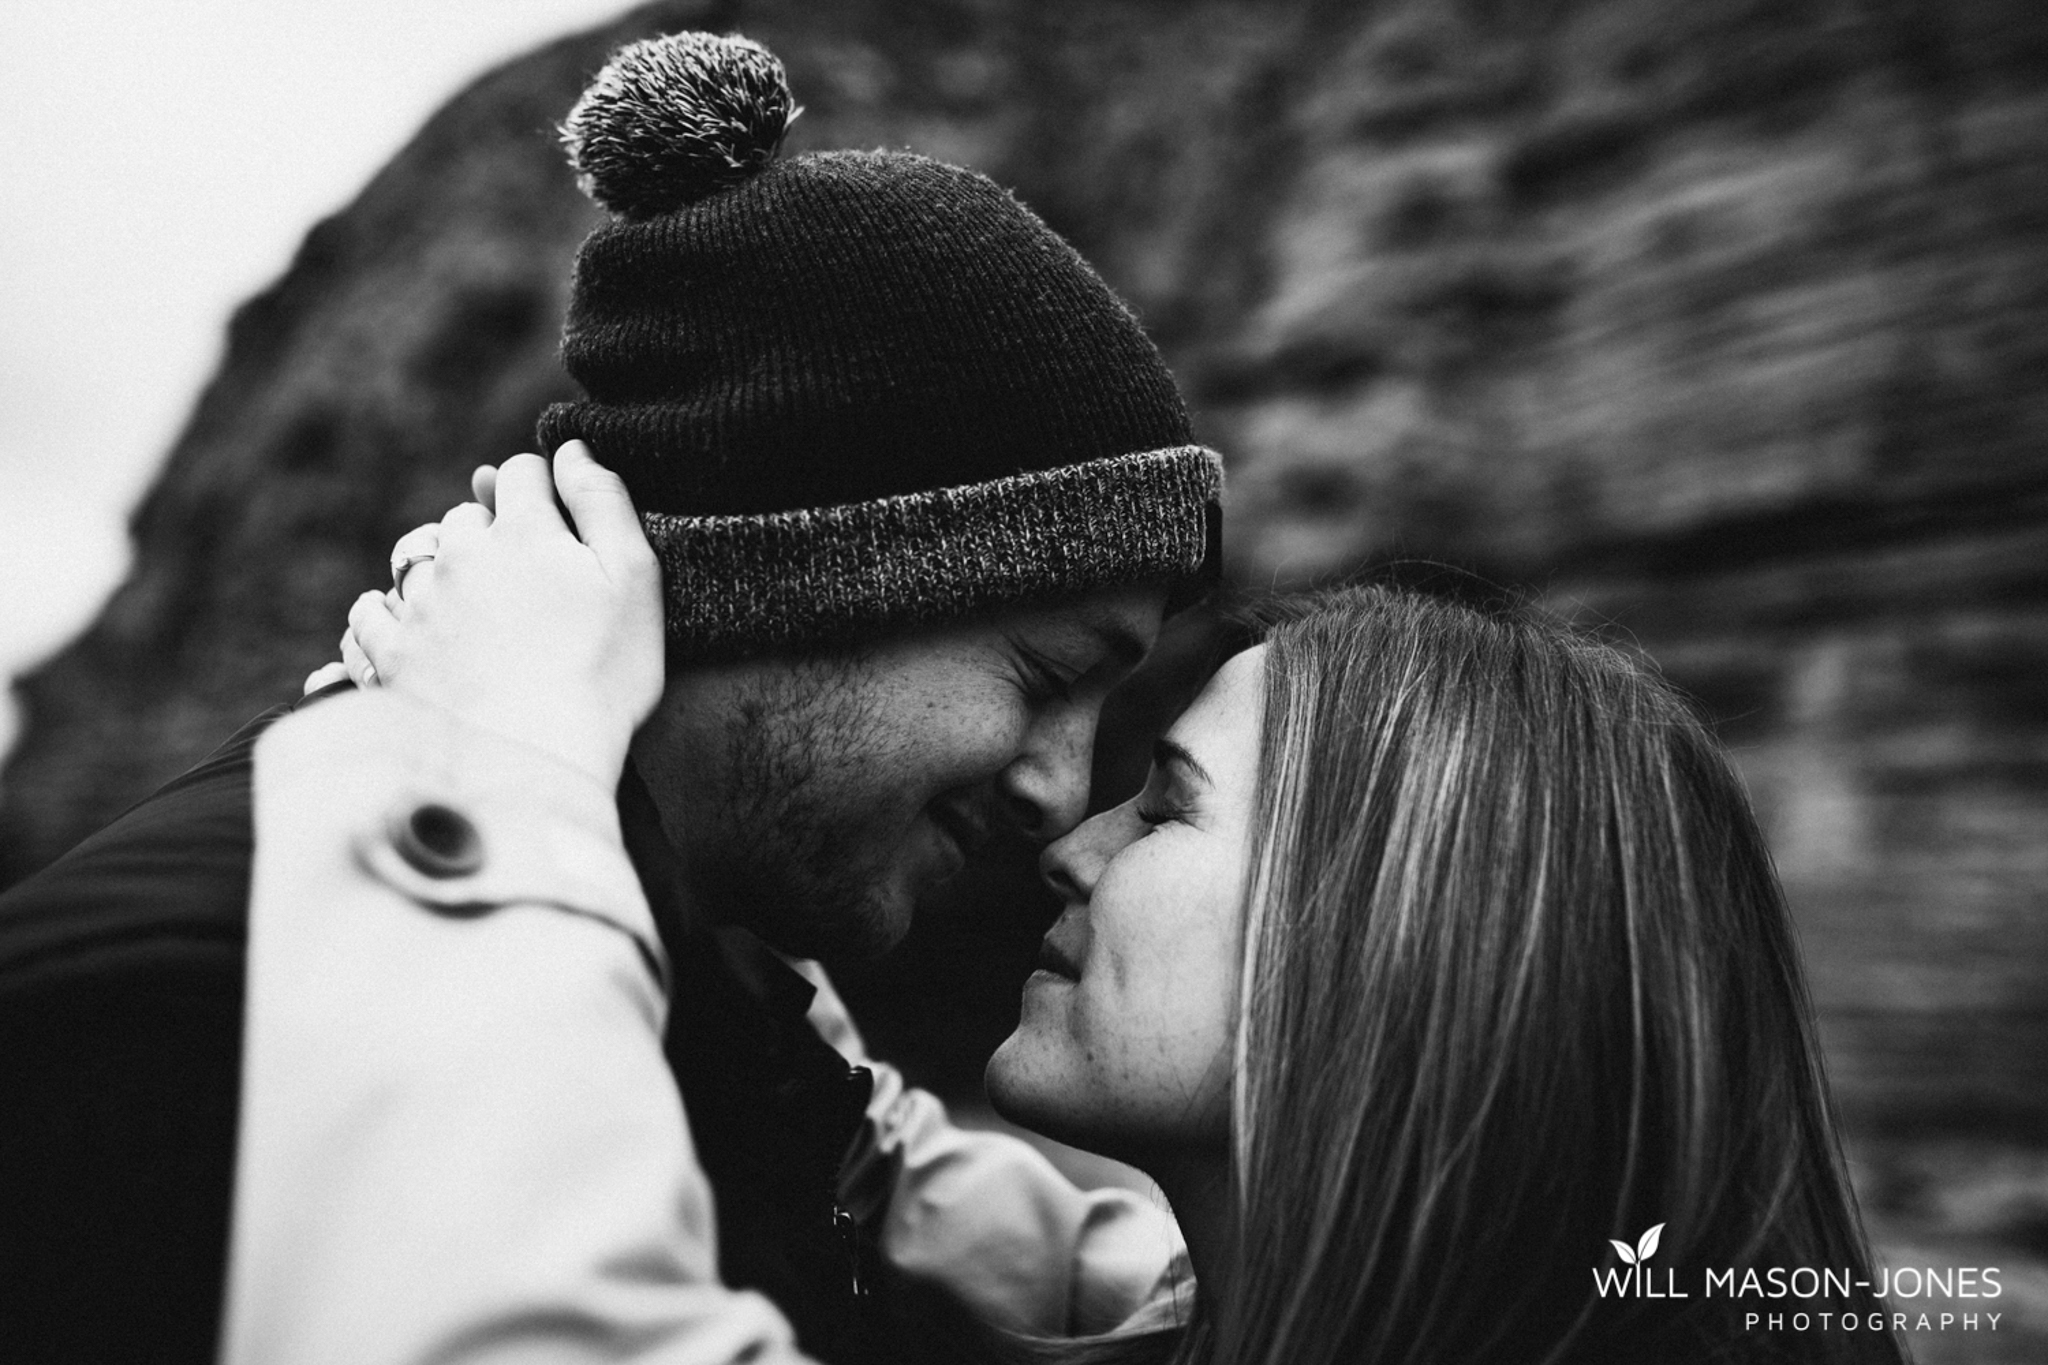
1072	865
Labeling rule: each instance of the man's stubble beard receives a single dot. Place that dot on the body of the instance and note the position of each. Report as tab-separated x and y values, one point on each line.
792	859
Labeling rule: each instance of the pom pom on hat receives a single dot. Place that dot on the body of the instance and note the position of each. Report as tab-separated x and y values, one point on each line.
671	120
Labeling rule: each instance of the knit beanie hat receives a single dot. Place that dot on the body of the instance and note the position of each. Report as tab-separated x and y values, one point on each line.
851	391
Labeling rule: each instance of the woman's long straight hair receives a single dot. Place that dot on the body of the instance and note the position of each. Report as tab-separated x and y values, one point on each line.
1518	979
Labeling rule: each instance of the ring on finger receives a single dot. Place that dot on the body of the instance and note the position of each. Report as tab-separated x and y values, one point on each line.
400	565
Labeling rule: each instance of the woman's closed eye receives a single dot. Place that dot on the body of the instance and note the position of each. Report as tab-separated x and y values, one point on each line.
1171	786
1181	776
1156	812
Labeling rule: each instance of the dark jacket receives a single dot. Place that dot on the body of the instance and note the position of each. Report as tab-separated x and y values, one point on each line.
121	991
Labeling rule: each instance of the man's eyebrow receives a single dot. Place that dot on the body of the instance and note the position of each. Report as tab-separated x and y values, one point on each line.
1168	754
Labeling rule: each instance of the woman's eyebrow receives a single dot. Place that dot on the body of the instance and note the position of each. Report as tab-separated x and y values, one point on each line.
1167	754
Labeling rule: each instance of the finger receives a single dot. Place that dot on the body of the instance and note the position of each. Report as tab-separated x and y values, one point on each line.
371	630
466	516
420	540
483	486
411	553
526	491
408	583
602	509
327	675
371	611
358	663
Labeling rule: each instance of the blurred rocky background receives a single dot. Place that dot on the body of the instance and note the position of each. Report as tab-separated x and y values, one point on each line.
1722	324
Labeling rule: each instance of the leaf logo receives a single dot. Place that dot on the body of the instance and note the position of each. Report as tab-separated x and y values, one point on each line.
1644	1249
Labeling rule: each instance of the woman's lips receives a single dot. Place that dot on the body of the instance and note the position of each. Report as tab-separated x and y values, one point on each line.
1051	958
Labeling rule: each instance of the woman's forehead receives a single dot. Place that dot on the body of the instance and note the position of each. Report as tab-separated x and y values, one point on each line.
1221	729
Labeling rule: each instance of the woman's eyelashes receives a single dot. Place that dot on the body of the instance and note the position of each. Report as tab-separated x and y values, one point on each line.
1159	804
1155	816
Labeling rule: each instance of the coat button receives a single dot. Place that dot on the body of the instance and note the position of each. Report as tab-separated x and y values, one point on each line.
438	841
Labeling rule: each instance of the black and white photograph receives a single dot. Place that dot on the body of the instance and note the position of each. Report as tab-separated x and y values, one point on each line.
1024	682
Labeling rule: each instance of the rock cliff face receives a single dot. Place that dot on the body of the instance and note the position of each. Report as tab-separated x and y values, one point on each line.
1724	323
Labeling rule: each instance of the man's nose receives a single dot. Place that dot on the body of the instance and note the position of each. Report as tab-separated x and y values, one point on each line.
1046	786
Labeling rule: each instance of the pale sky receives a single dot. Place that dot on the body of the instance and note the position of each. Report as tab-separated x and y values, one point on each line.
160	164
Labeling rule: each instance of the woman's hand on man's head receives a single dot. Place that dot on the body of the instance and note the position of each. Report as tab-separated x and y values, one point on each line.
518	622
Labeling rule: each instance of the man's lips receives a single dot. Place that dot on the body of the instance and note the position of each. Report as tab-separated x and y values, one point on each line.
966	828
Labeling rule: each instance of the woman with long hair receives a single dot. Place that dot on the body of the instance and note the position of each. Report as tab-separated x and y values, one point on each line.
1441	950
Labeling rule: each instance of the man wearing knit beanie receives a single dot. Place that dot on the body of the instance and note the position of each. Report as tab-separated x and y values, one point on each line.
920	489
861	398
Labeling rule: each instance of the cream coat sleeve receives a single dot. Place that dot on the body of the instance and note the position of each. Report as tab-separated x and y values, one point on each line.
989	1217
459	1141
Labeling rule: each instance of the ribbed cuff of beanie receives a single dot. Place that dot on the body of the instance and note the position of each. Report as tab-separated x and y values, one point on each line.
744	584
